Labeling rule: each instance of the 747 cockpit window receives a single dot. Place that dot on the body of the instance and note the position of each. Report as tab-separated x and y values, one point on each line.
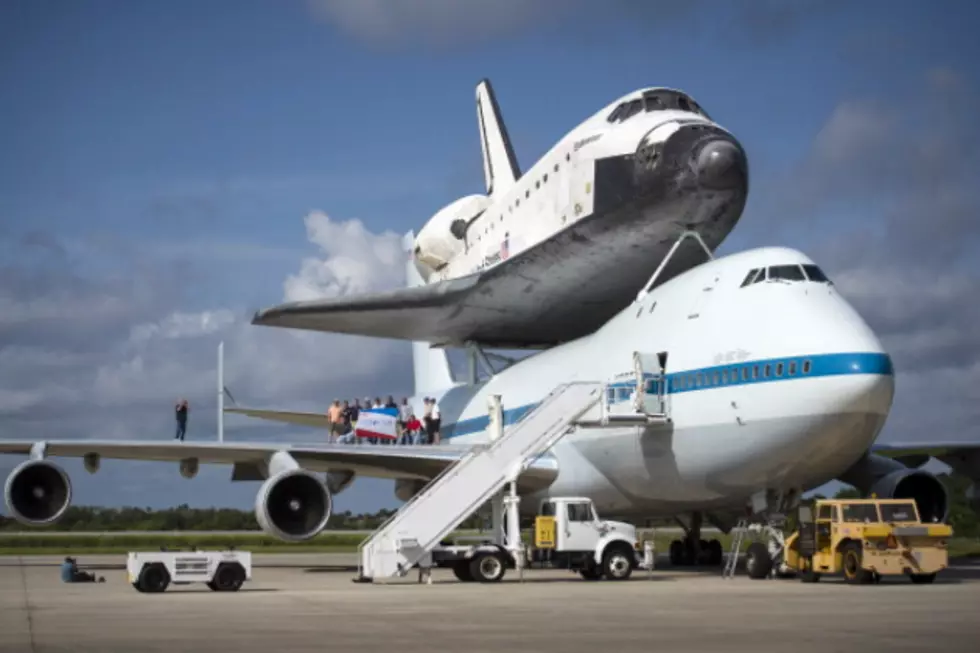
787	272
814	273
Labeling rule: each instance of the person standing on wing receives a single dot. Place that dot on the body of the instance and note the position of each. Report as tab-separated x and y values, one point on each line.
181	411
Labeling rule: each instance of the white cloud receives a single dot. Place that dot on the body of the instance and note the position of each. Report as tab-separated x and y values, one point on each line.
354	261
142	350
183	325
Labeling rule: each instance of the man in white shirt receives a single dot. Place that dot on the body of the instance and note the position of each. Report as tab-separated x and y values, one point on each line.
404	414
435	420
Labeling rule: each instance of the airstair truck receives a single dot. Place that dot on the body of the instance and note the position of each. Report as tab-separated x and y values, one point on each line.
567	535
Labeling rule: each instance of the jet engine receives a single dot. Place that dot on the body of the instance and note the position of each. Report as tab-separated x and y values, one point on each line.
37	492
929	493
443	236
189	467
293	505
887	478
406	488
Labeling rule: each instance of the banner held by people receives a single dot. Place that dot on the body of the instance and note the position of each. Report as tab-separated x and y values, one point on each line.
377	423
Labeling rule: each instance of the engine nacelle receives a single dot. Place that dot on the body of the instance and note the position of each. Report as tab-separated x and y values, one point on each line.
406	488
928	492
189	467
337	482
92	462
293	505
443	235
37	492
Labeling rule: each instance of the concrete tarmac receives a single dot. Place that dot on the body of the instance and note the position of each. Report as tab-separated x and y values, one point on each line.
307	602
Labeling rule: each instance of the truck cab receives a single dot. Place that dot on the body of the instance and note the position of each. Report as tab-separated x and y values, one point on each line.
569	533
866	539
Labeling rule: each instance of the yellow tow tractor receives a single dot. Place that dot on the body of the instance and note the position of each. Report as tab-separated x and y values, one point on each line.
866	539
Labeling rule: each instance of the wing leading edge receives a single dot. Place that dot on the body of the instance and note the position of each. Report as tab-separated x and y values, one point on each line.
422	462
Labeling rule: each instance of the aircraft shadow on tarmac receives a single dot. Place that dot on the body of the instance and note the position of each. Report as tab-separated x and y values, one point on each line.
962	570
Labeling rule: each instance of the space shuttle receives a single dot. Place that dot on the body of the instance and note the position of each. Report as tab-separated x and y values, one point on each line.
550	254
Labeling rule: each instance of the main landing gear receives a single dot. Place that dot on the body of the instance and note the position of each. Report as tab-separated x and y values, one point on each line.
692	550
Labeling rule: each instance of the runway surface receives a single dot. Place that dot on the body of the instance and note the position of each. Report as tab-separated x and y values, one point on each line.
307	602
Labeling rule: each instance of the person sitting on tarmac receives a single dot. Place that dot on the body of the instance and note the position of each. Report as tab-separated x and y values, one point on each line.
71	574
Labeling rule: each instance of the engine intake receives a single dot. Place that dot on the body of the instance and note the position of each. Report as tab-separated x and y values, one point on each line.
293	505
37	492
928	492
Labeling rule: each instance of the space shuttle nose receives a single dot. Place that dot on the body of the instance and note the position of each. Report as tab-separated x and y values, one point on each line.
721	164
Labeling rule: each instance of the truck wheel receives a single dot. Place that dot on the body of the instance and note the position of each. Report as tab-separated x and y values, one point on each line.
228	577
591	571
153	578
617	562
854	573
461	570
758	562
922	579
487	568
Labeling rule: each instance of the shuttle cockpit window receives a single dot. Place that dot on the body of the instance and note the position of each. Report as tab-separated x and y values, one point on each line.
663	99
580	512
625	111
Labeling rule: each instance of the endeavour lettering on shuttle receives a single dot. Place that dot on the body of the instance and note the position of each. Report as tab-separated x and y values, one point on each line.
585	141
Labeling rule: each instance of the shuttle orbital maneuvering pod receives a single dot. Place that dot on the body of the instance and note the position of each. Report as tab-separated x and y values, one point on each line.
550	254
726	391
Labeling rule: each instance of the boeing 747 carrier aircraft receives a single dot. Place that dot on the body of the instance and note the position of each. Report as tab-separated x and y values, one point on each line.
728	390
550	254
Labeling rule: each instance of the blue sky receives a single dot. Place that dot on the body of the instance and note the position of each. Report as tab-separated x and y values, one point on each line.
166	168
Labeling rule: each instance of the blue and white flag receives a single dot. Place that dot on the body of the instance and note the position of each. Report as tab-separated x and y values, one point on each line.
377	423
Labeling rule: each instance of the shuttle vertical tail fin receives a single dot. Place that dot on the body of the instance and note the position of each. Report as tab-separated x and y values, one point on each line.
499	162
431	366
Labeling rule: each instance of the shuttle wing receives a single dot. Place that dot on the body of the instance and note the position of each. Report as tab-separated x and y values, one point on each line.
533	299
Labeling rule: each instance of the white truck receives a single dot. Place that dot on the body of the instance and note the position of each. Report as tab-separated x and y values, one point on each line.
222	571
568	534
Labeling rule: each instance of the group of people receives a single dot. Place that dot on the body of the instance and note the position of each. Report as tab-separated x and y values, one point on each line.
342	420
342	417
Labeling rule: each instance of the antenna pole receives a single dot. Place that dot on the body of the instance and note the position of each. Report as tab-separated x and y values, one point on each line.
221	391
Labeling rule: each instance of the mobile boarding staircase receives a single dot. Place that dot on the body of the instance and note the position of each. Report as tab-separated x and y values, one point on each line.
484	471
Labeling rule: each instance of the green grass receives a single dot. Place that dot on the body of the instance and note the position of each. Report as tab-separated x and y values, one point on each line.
42	544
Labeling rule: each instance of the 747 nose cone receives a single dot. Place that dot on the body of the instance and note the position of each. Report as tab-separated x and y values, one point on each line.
721	165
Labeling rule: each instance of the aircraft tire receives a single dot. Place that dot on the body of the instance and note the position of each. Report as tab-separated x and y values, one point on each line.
758	562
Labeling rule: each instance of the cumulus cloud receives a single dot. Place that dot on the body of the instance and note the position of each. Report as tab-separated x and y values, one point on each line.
139	349
886	200
390	23
355	261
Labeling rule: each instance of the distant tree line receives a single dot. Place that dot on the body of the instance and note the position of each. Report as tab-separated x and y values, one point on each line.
185	518
962	517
